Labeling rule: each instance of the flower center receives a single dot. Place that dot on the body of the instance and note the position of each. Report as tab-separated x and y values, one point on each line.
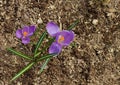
25	34
61	39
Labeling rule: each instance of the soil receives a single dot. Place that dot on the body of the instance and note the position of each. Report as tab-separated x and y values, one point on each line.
92	59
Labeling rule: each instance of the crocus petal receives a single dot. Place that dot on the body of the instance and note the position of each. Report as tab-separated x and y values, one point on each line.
67	35
55	48
25	29
52	28
31	30
25	40
19	33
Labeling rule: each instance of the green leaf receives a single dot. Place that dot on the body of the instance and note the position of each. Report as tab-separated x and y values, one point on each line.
43	49
39	42
49	43
19	54
73	25
45	63
23	71
37	54
45	57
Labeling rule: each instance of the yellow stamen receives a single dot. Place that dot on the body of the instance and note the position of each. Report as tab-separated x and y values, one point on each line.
61	39
25	34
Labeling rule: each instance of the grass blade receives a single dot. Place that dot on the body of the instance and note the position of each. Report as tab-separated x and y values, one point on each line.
45	57
43	49
39	42
73	25
45	63
19	54
37	54
23	71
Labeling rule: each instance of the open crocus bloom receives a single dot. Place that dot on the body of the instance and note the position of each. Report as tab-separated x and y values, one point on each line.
62	38
25	33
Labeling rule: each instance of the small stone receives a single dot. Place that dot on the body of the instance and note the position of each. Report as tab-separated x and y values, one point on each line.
39	21
95	21
111	15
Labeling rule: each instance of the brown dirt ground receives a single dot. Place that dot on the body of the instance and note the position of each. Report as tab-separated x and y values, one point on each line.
94	59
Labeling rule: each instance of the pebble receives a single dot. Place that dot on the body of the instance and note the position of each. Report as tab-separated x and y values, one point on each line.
39	21
95	21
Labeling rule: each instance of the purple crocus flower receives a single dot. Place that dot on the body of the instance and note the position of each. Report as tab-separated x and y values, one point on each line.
25	33
62	38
